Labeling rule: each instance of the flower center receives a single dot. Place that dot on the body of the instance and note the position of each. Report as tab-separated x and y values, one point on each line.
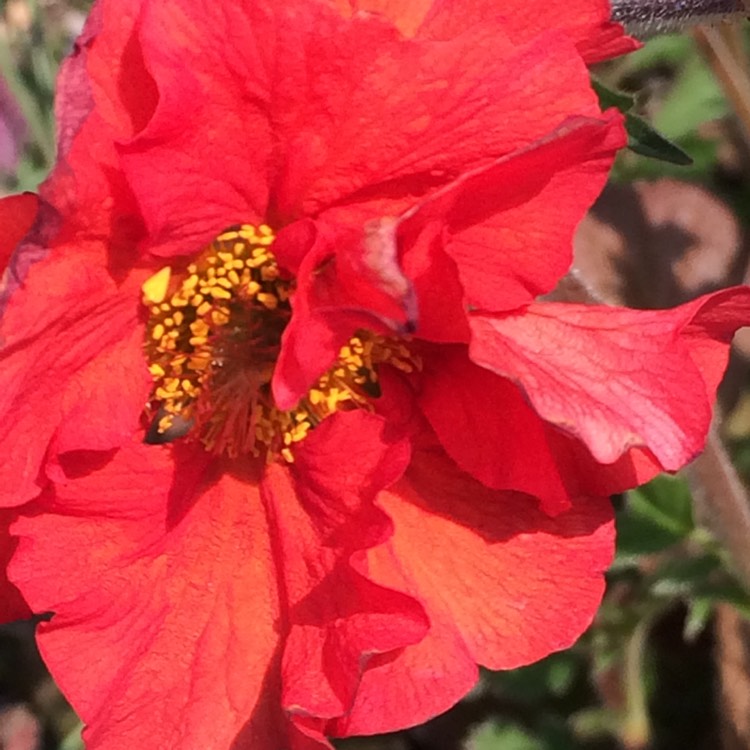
213	337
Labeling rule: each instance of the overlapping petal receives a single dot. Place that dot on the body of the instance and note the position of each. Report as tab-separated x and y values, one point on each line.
454	540
588	23
528	203
426	112
172	586
197	565
480	418
72	320
617	378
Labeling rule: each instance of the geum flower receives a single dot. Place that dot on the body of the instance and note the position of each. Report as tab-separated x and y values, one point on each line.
290	444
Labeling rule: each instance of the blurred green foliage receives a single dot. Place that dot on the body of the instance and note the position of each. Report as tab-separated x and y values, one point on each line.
34	38
677	92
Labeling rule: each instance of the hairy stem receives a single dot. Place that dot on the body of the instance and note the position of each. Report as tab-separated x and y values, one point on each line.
721	503
650	17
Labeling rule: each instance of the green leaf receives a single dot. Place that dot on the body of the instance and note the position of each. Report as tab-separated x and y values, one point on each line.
553	675
728	591
701	582
638	535
655	517
694	99
698	617
496	736
642	138
646	141
667	501
73	740
671	50
694	96
684	577
630	166
610	98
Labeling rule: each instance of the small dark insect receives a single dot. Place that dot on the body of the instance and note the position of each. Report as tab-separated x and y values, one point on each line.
179	428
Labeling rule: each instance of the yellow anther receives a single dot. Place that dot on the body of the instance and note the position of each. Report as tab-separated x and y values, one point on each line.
267	300
166	422
269	273
220	317
218	293
155	288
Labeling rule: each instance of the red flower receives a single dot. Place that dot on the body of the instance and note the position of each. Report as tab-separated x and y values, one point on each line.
382	460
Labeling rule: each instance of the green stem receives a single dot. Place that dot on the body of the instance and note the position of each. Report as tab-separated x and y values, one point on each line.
636	726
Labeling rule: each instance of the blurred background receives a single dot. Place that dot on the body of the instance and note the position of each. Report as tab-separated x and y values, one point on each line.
666	664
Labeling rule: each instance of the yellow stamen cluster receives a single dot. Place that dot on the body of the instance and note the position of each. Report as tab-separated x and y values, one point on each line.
212	342
351	383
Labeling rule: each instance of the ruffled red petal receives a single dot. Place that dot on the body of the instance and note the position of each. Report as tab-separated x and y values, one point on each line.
586	21
71	300
74	375
324	521
508	244
179	582
617	378
347	281
502	583
509	225
487	426
211	599
317	133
